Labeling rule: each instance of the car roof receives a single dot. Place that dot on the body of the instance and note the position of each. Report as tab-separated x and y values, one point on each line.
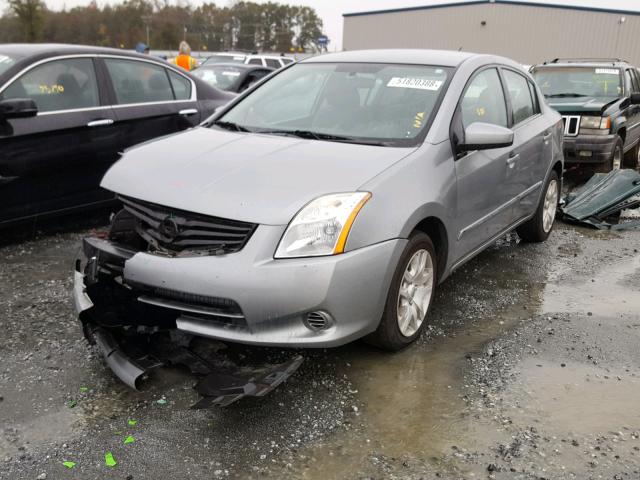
240	66
614	62
50	49
444	58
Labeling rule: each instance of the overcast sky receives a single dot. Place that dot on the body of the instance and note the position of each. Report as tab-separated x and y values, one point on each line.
331	10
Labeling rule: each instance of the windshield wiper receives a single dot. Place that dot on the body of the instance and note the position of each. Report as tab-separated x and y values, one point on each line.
307	134
565	95
231	126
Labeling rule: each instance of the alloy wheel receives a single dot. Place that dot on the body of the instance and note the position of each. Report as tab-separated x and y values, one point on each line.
550	205
415	292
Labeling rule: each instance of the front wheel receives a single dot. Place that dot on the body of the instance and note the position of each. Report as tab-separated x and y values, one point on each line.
538	228
410	295
616	159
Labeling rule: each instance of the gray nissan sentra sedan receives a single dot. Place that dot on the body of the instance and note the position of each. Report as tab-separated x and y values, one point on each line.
326	203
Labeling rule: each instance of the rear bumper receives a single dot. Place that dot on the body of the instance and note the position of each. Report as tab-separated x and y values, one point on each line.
246	297
600	148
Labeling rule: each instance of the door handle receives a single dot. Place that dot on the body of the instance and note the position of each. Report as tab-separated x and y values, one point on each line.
511	161
188	111
546	136
5	180
100	123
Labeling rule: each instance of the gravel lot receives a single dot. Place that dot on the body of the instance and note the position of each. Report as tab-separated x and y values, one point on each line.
530	369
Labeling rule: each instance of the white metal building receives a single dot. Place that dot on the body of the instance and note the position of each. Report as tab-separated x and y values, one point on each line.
527	32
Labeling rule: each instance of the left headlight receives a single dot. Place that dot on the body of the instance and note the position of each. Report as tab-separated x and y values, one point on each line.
322	226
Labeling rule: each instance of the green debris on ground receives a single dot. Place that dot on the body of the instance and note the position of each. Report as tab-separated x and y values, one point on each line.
129	439
162	401
72	403
109	461
69	464
84	389
132	423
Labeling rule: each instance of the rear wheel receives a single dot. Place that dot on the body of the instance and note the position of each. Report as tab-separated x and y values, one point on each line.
410	295
538	228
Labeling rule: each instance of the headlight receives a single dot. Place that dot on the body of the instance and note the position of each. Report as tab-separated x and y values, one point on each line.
601	123
322	226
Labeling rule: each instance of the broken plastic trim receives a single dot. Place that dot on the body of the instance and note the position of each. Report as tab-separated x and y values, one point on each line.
123	367
603	196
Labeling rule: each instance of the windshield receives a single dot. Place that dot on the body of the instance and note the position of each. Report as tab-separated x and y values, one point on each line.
224	78
224	59
558	82
6	62
360	103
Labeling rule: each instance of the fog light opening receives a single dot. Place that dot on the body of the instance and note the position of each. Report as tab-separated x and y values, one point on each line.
318	321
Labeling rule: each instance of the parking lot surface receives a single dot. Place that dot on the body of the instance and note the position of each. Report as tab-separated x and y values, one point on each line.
529	369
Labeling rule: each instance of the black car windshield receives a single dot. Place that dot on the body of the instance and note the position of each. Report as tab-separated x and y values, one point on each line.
224	59
559	82
382	104
221	77
6	62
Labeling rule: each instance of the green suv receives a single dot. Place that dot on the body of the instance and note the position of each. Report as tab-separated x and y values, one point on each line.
599	100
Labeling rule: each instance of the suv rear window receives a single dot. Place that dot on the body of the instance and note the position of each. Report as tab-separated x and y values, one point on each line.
559	82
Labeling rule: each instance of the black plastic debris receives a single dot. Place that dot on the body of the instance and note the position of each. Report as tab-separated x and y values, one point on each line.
134	353
222	389
603	197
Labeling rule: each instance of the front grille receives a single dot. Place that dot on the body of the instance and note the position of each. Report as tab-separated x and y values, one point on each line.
571	125
173	231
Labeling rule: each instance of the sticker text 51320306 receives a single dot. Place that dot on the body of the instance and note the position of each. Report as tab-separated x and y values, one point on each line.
419	83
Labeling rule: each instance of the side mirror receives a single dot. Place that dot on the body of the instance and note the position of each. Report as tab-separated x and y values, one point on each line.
484	136
634	98
18	108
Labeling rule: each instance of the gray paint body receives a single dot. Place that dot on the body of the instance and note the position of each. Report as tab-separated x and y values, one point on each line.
267	179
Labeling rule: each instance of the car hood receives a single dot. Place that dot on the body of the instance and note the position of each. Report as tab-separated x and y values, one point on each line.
255	178
580	104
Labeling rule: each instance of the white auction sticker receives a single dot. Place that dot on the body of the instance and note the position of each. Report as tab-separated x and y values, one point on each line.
231	74
606	71
419	83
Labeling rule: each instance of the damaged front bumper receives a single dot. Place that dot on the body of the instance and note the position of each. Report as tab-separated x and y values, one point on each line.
592	149
132	301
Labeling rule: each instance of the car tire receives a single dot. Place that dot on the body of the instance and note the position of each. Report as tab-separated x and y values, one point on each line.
410	295
539	227
615	161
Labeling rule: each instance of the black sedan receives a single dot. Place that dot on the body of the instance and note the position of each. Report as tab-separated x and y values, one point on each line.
67	112
232	77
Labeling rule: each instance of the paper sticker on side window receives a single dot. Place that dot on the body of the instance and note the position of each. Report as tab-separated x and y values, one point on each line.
419	83
606	71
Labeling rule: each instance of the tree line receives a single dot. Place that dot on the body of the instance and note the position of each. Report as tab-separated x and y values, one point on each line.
242	25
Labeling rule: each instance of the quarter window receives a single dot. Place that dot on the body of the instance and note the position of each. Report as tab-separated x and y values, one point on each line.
181	86
272	62
139	82
58	85
520	96
483	100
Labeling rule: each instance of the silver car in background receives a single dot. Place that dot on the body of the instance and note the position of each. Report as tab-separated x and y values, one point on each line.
326	203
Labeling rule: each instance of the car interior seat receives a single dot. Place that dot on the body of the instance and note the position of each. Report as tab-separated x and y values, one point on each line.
340	106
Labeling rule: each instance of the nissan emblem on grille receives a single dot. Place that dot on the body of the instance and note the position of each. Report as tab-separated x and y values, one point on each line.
170	228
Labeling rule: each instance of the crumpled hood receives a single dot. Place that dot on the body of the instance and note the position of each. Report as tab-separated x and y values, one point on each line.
255	178
580	104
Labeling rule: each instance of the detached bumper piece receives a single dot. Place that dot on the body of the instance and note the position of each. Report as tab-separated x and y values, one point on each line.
604	196
135	329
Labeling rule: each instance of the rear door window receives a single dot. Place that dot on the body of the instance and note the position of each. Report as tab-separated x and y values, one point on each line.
483	100
520	96
139	82
58	85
